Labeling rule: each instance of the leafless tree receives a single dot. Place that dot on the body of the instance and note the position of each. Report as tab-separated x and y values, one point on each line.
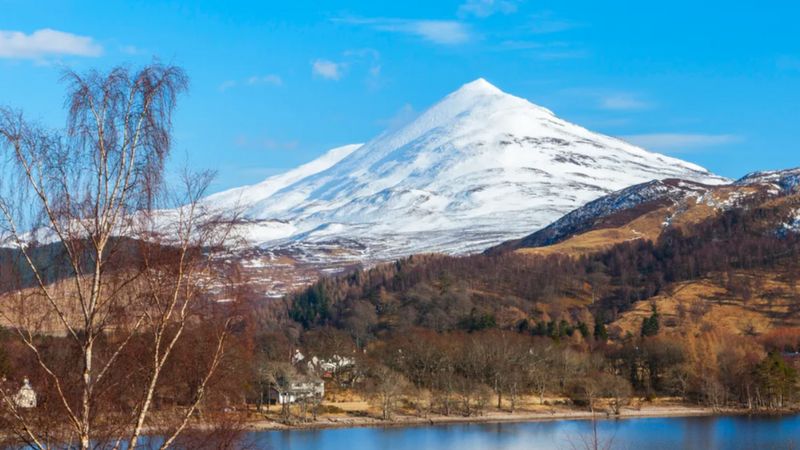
107	279
618	391
385	388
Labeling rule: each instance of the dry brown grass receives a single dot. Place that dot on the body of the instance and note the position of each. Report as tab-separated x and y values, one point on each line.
648	226
30	310
703	305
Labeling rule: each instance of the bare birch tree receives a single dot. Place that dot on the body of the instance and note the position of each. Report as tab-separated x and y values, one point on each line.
102	280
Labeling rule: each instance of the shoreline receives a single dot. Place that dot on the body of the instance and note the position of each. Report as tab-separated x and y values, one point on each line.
403	420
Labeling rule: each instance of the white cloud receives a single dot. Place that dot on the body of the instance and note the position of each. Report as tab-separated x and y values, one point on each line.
46	42
438	31
680	142
271	80
622	102
445	32
486	8
327	69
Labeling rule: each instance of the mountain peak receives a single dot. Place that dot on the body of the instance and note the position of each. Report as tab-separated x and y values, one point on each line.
481	86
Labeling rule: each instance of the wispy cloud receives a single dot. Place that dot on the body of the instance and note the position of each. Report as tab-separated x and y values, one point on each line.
270	80
622	102
542	50
253	80
610	99
354	61
444	32
681	142
46	43
327	69
486	8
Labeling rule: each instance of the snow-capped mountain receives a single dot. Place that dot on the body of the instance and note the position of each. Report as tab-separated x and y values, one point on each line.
784	180
478	168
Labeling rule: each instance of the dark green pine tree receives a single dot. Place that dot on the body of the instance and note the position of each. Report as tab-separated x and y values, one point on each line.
650	325
600	331
584	329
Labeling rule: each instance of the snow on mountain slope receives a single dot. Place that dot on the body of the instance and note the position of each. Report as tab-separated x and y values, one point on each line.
247	195
476	169
785	180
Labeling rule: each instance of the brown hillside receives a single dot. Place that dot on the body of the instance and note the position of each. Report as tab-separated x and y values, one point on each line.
754	303
643	222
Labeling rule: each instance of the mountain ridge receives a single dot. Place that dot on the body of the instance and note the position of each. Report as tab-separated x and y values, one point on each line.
670	199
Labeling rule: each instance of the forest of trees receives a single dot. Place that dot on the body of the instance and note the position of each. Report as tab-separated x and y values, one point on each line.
448	293
451	309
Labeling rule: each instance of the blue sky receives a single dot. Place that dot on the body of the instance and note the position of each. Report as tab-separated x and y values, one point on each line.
276	83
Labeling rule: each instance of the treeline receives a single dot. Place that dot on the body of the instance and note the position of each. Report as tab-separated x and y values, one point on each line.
450	293
424	372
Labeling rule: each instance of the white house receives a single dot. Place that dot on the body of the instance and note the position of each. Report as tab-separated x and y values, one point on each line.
26	396
331	366
298	390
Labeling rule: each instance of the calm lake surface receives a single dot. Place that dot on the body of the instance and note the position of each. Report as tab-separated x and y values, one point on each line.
701	433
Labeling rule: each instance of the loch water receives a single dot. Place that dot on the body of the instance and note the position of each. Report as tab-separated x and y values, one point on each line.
696	433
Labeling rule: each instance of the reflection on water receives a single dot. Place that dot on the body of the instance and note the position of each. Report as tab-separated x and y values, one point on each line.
701	433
